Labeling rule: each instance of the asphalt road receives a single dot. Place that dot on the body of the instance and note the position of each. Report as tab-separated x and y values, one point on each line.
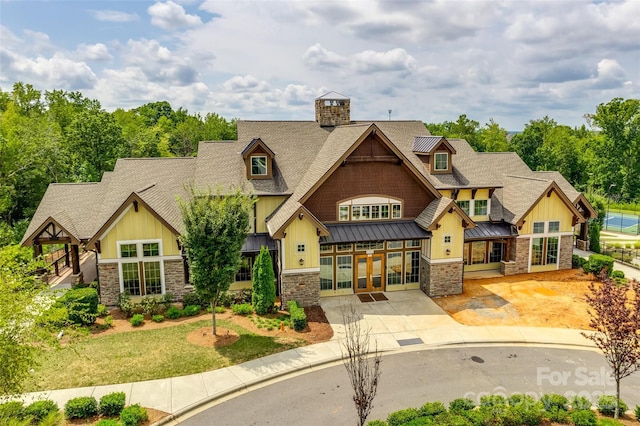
410	379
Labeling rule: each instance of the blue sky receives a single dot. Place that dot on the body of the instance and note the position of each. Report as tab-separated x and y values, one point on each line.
425	60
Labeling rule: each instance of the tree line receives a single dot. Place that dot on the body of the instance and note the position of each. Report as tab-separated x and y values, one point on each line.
600	157
60	136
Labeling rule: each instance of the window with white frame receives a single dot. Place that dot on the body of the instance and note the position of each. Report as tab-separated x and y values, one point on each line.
326	272
480	207
394	245
447	239
554	226
441	161
464	206
411	267
538	227
141	269
369	208
344	273
301	248
259	165
394	268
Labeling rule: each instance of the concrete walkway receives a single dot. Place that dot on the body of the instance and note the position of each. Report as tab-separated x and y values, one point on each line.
407	321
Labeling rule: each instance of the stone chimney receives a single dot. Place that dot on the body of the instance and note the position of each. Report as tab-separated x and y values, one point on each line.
333	109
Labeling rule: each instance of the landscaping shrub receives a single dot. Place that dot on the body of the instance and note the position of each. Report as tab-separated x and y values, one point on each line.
450	419
107	422
173	312
577	261
137	320
584	418
263	286
551	400
526	413
38	410
82	305
152	304
12	410
599	264
580	403
298	317
103	311
242	309
377	423
157	318
133	415
168	299
476	417
191	310
432	409
108	321
401	417
492	400
125	304
421	421
637	412
226	299
607	405
617	274
193	298
81	407
520	399
558	415
460	405
112	404
220	309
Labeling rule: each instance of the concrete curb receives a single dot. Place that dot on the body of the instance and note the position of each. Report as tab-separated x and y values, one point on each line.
175	417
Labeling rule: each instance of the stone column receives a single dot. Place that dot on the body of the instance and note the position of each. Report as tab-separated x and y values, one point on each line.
303	287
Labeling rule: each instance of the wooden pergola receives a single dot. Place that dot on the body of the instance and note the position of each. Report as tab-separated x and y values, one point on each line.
51	232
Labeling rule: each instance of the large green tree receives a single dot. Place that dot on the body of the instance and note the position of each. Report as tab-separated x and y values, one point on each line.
23	305
216	227
618	151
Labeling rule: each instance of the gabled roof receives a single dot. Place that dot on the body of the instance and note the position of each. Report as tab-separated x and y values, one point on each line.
427	144
334	96
432	214
342	141
254	143
522	193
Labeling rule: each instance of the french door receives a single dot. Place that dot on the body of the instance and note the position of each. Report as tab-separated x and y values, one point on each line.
369	273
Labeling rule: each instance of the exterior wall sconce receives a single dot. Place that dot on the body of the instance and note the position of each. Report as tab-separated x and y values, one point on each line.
301	261
448	251
300	215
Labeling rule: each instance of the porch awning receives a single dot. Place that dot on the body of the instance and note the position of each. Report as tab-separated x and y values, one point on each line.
368	232
254	241
489	231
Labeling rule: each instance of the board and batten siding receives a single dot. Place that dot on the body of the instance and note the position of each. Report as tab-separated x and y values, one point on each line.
450	225
140	225
549	209
264	207
301	231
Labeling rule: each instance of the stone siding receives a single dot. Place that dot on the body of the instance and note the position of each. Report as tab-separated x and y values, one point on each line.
336	114
174	278
522	255
304	287
566	251
508	268
109	283
582	244
441	279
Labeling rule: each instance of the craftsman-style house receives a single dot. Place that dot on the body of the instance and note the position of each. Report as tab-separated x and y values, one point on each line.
343	206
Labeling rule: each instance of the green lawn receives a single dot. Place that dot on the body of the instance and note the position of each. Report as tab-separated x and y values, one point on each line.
146	355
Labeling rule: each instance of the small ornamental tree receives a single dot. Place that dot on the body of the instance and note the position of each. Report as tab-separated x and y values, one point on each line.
363	370
215	229
263	294
615	317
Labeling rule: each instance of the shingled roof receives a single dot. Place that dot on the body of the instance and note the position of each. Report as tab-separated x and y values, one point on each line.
304	154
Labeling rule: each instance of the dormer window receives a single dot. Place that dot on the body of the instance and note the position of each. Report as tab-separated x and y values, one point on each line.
442	161
259	165
258	159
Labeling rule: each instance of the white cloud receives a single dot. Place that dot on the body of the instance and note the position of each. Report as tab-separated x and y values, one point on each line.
94	52
54	72
114	16
610	74
318	57
172	16
393	60
247	83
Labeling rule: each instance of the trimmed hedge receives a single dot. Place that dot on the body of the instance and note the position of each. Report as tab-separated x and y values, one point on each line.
112	404
577	261
40	409
81	407
599	264
82	305
298	317
133	415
